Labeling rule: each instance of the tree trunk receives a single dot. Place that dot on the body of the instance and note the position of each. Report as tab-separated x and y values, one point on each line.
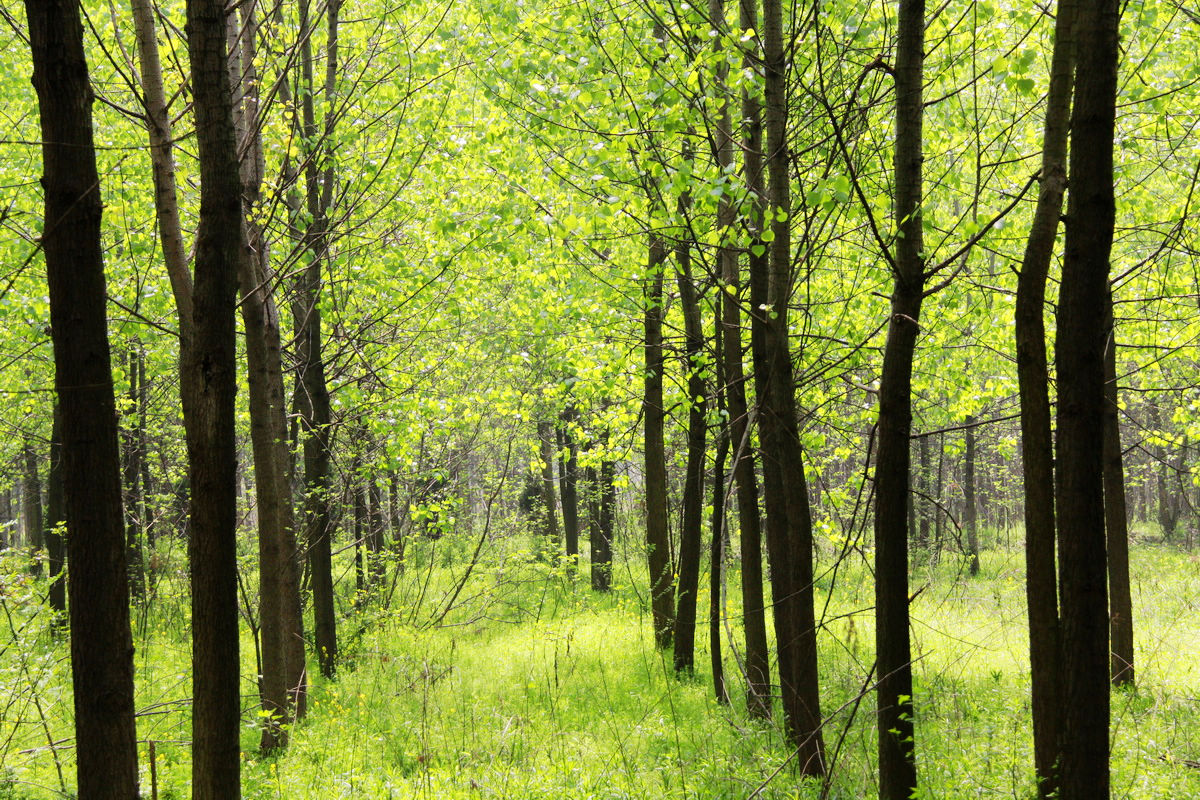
897	748
1037	455
1083	578
550	537
101	642
600	510
134	490
1116	517
691	529
658	544
281	621
55	517
209	416
716	579
758	669
31	505
789	521
970	508
568	478
312	392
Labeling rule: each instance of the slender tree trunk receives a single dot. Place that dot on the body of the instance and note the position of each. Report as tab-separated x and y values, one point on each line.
101	642
758	670
312	393
1037	455
134	491
1083	569
568	479
897	748
789	521
550	536
600	524
658	544
970	507
716	578
31	502
926	509
691	529
55	517
1116	517
209	416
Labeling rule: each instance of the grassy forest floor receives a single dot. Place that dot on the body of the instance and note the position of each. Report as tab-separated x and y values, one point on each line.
532	686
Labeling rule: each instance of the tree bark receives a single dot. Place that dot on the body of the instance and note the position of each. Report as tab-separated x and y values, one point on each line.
758	669
209	416
101	642
31	505
134	490
550	536
691	529
55	517
1037	456
1116	516
568	480
658	544
970	508
897	747
1083	578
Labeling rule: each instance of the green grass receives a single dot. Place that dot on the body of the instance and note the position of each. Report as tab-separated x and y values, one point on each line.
535	687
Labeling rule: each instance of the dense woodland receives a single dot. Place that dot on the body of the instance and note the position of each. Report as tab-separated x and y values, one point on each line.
599	400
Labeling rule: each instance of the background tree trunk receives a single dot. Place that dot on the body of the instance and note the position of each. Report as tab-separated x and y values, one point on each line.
658	543
1116	517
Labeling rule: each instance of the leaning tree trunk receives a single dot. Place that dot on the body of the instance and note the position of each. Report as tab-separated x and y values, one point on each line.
101	642
1041	582
209	416
1083	578
897	748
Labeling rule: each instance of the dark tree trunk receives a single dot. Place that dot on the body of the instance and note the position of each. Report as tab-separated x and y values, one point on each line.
658	544
568	479
716	578
134	490
1037	449
375	527
970	508
31	505
209	416
1116	517
789	521
925	508
691	530
101	643
758	669
55	517
312	392
1083	569
897	748
605	503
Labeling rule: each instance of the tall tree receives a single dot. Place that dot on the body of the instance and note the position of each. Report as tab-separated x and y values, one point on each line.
209	396
1079	358
312	390
568	482
101	642
897	749
280	618
1037	456
758	669
789	518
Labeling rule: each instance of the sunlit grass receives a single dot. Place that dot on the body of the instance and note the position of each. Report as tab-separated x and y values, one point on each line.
532	686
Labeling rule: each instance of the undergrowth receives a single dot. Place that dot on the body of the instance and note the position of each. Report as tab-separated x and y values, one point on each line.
530	685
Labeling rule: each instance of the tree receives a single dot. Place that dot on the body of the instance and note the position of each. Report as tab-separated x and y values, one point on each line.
1037	457
1079	358
897	749
101	642
209	395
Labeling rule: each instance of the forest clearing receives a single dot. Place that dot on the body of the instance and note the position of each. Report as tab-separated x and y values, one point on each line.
594	399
